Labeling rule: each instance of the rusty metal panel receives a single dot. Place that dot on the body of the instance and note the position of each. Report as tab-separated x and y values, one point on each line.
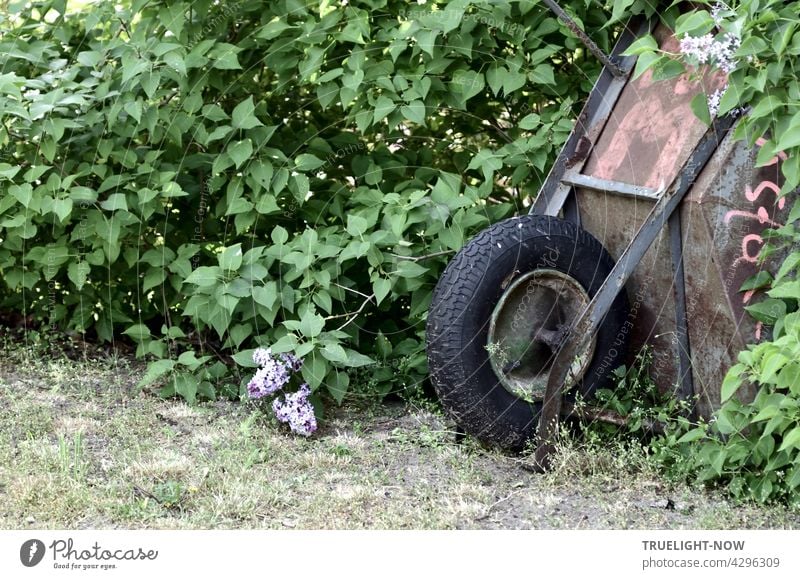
614	220
652	130
725	215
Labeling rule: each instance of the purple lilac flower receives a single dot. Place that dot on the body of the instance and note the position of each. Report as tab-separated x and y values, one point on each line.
270	377
292	362
262	356
297	411
714	100
716	12
707	49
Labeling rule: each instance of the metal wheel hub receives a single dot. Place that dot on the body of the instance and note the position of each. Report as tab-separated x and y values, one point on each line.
527	327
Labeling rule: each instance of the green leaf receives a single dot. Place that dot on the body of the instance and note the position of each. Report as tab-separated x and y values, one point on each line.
154	277
273	28
267	205
790	138
186	385
22	193
62	208
311	324
693	23
766	106
760	280
793	476
426	39
542	74
204	276
231	258
240	151
189	359
644	44
789	264
239	333
356	226
155	370
732	382
279	235
789	378
8	171
78	273
383	107
134	109
354	250
314	369
307	162
334	353
693	435
244	115
414	112
410	269
770	365
466	84
647	61
138	332
312	63
699	106
530	122
513	81
381	288
794	214
115	202
225	57
786	289
791	440
619	9
245	358
767	311
266	295
356	359
337	385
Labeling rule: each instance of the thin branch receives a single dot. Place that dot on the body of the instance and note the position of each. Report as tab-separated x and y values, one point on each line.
423	257
363	295
351	315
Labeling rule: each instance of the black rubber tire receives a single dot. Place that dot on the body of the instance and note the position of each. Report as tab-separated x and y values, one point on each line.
462	304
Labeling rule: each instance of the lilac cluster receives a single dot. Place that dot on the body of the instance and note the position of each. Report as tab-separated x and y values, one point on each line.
272	375
707	49
297	411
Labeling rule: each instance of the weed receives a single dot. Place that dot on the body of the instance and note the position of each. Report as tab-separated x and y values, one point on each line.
71	457
169	493
341	450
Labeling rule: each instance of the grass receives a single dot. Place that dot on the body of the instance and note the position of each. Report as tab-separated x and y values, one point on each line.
81	448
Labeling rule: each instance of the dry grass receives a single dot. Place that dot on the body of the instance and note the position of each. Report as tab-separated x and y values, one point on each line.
80	448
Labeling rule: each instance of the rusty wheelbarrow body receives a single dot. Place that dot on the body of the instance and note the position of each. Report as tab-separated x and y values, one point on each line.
680	207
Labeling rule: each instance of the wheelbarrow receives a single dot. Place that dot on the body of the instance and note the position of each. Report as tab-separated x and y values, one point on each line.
642	235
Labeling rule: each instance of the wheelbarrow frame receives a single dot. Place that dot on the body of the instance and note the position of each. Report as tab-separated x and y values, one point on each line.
557	196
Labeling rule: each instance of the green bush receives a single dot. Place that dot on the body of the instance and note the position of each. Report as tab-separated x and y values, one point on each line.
753	448
205	178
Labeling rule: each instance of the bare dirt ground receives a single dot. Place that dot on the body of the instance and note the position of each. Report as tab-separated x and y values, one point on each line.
80	447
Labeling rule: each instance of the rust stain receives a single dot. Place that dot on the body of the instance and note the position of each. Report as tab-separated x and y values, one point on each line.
652	129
